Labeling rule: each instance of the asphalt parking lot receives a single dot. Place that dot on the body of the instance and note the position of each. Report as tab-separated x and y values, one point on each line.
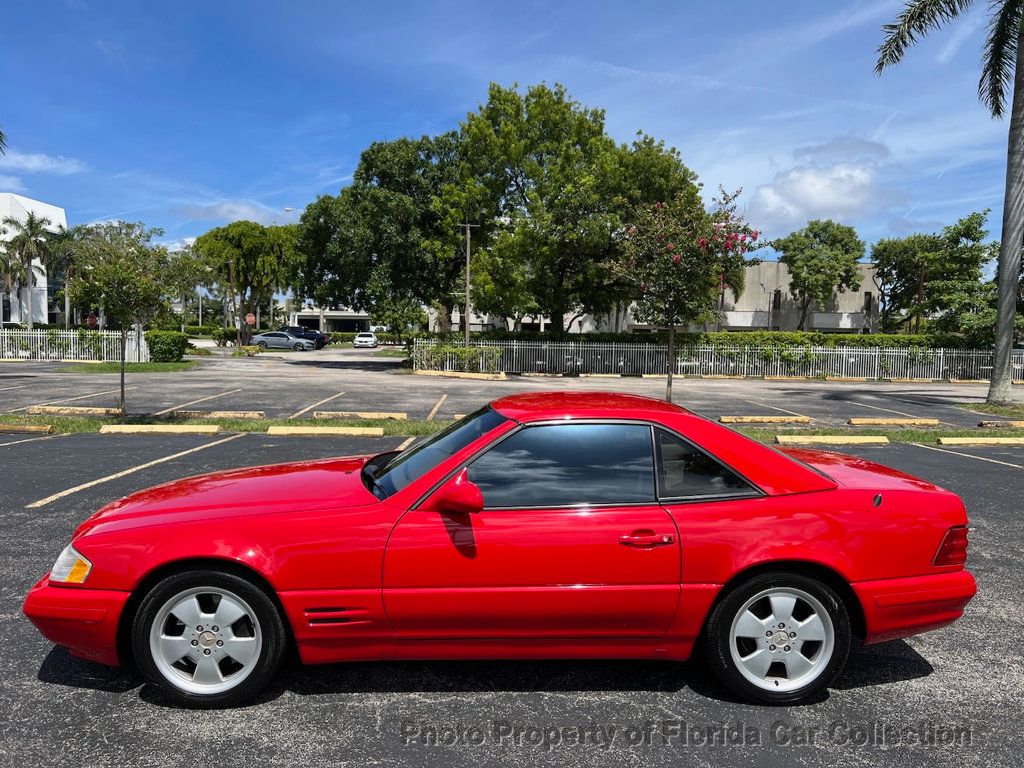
959	685
294	385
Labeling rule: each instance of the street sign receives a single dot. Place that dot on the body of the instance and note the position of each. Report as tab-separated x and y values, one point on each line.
250	319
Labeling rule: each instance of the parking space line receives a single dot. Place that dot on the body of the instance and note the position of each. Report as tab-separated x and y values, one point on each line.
68	399
776	408
193	402
129	471
20	386
406	443
970	456
314	405
33	439
437	407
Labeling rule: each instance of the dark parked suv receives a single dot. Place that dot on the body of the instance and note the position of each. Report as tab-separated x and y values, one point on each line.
320	339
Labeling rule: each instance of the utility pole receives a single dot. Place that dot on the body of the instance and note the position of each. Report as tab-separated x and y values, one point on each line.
465	315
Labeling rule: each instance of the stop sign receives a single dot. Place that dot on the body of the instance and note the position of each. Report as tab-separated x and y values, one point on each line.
250	319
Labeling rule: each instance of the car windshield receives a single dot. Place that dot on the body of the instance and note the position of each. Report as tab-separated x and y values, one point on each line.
392	475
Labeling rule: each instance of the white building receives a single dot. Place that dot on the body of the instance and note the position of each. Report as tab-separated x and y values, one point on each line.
13	305
765	303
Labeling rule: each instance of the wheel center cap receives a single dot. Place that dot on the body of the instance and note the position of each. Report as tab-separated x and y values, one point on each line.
207	639
780	638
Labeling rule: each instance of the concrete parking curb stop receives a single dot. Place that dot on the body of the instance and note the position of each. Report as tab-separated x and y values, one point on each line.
221	414
464	375
71	410
857	421
160	429
317	431
832	439
981	440
360	415
1010	424
764	419
40	429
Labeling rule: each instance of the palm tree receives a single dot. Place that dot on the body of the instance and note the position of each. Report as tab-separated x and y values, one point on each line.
1001	68
30	242
3	143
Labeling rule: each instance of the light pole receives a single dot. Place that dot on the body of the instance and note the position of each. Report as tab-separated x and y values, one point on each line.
465	319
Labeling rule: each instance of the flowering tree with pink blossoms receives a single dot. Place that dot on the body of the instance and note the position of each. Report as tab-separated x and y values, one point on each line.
679	256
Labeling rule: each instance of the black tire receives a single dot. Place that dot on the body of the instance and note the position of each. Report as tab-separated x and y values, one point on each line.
297	346
718	638
274	638
261	344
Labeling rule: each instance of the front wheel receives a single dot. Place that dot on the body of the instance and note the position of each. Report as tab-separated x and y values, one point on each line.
297	347
778	638
261	344
207	638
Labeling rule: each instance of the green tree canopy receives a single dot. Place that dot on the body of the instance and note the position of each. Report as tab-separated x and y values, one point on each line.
822	260
29	241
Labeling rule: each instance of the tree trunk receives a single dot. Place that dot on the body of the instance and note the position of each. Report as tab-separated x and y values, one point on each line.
29	323
804	306
1000	389
671	361
124	355
444	317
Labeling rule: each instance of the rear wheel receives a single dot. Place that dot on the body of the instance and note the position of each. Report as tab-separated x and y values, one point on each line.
261	344
207	638
778	638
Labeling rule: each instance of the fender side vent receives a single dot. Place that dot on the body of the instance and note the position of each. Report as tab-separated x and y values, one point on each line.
333	615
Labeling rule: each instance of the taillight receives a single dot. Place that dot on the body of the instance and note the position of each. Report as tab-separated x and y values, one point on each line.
953	549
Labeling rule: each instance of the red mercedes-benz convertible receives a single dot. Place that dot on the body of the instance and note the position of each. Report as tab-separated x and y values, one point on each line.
582	525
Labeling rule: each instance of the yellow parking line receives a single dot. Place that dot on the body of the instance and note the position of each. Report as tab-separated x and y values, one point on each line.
406	443
193	402
129	471
314	405
437	407
69	399
776	408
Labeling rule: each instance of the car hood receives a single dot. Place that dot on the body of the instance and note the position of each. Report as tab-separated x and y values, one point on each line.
278	488
854	472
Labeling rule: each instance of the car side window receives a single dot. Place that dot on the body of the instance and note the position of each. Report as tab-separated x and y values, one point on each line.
568	465
685	471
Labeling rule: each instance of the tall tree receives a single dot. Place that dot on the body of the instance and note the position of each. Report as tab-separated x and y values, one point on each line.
3	143
30	242
908	269
822	260
1001	67
13	272
676	256
126	276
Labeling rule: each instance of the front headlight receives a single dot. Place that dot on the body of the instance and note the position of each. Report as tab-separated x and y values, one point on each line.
70	568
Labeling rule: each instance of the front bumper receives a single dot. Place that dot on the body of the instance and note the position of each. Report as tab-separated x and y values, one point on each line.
85	621
895	608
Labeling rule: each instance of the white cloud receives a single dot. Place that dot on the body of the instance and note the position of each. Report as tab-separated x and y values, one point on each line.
233	210
37	162
961	34
177	244
11	184
841	191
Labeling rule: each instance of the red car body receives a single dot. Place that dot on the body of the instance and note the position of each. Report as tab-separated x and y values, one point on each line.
361	578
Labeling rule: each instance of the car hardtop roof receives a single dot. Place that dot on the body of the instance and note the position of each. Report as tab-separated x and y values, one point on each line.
535	406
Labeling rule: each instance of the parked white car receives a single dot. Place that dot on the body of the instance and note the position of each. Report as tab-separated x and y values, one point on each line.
365	339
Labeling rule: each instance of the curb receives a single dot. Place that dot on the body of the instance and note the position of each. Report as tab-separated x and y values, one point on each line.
600	375
856	421
160	429
832	439
71	410
463	375
1010	424
764	419
42	429
360	415
981	441
316	431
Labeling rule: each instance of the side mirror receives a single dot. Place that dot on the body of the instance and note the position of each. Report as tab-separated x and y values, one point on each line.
460	496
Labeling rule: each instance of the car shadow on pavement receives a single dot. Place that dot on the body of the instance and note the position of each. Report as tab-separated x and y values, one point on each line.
873	665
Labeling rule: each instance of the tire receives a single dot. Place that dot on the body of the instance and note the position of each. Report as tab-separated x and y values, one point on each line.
753	640
297	347
261	344
232	662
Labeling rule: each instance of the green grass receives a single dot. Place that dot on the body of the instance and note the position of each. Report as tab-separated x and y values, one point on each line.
1010	411
115	367
392	427
391	353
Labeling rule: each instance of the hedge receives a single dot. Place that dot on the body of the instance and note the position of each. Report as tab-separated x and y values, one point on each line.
201	330
166	346
470	359
724	338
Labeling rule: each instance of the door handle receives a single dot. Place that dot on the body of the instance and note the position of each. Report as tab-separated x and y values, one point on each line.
646	539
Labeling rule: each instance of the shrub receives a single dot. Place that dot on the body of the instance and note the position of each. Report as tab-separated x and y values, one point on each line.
224	336
201	330
340	337
246	351
195	351
166	346
447	357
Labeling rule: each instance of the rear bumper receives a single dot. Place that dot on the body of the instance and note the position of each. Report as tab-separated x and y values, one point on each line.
895	608
85	621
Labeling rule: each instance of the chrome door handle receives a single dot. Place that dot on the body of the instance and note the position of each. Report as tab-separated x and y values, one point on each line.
645	539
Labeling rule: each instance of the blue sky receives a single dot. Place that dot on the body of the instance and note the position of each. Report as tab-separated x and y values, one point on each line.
187	115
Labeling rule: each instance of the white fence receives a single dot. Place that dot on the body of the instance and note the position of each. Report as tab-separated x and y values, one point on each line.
574	357
70	345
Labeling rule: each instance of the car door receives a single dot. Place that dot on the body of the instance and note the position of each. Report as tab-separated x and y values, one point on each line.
571	543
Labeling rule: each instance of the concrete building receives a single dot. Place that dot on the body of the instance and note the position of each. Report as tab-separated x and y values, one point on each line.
337	320
13	305
765	303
